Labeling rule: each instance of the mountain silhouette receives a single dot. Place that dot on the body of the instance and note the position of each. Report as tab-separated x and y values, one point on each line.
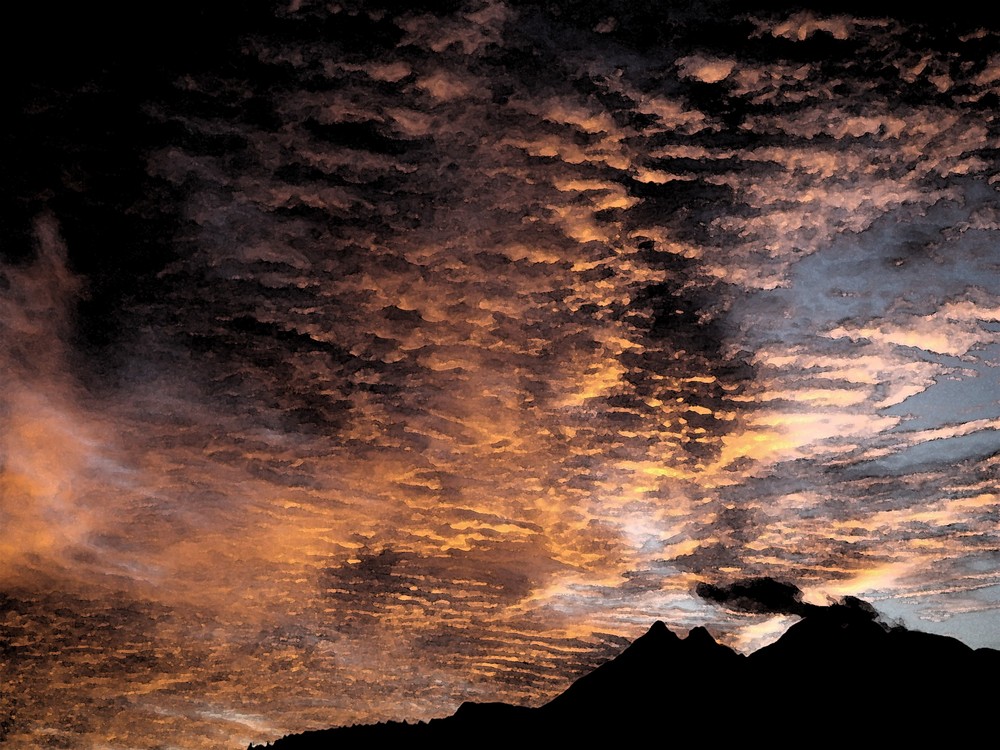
838	676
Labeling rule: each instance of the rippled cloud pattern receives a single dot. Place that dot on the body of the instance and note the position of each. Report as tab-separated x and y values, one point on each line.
477	337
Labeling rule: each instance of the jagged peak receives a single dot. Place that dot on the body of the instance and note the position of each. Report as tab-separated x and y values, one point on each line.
658	633
699	635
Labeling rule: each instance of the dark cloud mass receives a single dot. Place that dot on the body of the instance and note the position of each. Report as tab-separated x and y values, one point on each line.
761	595
363	359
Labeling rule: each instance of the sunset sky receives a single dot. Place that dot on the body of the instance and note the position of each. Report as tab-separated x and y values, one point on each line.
364	358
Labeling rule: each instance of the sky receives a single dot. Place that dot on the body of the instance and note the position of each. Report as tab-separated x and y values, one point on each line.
361	359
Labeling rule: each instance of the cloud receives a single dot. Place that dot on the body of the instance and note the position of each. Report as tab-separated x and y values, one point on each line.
704	69
757	595
802	25
55	455
485	343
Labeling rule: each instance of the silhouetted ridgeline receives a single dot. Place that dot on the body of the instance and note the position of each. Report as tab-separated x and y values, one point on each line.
840	675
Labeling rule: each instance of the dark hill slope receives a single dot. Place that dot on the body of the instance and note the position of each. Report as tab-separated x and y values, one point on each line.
839	674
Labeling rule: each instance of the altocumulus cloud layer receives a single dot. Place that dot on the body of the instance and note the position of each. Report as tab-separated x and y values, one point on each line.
431	346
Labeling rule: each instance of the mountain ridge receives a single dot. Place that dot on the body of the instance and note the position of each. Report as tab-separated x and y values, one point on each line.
839	668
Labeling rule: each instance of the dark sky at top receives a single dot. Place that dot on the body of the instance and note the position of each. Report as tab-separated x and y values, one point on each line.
364	358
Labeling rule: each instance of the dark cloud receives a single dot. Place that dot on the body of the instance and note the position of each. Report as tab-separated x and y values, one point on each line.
759	595
769	596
